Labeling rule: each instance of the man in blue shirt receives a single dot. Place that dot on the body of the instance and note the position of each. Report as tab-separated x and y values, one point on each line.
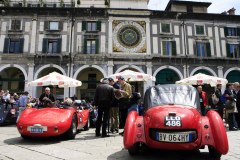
22	103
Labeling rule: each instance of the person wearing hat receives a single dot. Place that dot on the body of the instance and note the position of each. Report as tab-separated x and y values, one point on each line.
46	94
114	111
124	101
103	100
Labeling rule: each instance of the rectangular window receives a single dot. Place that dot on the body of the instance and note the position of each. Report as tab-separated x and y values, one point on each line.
233	50
52	46
53	25
16	25
91	47
165	28
168	48
92	81
199	30
13	45
91	26
230	31
203	49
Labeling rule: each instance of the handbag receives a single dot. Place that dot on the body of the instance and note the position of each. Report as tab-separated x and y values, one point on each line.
229	104
215	99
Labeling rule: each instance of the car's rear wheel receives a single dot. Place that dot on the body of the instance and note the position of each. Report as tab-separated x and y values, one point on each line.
72	131
134	150
25	137
213	153
86	127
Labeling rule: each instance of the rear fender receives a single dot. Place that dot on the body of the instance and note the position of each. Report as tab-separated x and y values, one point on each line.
133	130
219	135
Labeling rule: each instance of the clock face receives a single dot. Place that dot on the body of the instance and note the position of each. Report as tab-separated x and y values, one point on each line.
129	36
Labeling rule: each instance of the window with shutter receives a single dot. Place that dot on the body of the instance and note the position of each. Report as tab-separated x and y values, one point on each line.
201	49
46	25
168	48
232	31
6	45
59	45
84	25
45	45
233	50
16	25
99	26
91	26
174	49
208	49
164	46
165	28
14	45
199	30
21	45
53	26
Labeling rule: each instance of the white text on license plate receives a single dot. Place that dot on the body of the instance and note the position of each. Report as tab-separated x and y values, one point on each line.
36	130
173	137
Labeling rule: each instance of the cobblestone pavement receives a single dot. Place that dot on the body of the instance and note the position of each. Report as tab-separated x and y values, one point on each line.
87	147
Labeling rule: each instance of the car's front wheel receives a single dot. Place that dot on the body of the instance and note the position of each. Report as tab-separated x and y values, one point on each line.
86	127
213	153
72	131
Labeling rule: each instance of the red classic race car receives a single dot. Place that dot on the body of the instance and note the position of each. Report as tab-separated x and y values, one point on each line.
172	121
53	121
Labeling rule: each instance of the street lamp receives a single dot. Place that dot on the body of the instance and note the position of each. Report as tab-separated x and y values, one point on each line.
181	17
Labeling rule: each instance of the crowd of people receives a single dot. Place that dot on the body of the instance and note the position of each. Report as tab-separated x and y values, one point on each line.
113	100
227	104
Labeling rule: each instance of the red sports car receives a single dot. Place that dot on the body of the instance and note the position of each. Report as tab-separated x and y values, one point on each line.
54	121
172	121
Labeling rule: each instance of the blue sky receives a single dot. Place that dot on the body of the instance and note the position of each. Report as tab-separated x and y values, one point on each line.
217	6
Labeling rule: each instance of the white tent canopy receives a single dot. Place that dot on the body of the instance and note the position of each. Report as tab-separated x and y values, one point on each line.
56	79
200	79
130	75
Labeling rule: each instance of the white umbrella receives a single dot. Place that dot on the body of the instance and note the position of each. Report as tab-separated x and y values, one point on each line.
130	75
56	79
200	79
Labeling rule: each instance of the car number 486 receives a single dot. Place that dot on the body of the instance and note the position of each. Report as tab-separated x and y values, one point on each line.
173	121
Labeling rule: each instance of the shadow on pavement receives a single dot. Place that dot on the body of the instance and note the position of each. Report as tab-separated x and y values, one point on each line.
161	155
33	141
91	136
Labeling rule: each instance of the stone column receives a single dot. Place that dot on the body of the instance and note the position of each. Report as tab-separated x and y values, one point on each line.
72	90
30	89
110	67
33	35
149	71
220	71
186	71
110	35
148	40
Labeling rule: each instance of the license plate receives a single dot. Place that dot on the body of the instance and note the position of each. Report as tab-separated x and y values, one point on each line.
174	137
36	130
172	121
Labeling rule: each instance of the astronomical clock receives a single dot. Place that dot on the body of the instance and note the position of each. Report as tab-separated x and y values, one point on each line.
129	36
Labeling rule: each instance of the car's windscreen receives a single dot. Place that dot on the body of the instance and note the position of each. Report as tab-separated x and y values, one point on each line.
171	94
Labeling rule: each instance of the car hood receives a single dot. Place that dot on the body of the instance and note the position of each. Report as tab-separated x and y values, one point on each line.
45	116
